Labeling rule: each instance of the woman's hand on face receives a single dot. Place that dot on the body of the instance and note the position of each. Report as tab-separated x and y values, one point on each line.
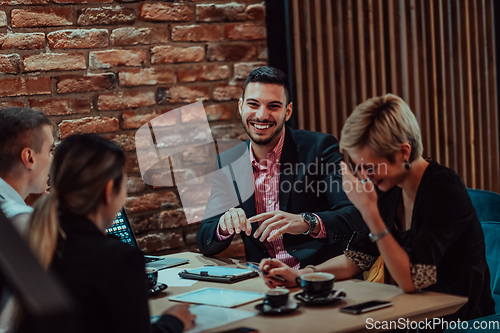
181	311
270	268
361	193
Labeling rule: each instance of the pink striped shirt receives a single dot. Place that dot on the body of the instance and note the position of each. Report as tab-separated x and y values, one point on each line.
267	178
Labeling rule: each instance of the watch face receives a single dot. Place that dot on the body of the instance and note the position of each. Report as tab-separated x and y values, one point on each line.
311	220
309	217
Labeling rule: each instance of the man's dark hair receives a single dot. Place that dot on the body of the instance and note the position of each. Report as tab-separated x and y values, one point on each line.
19	128
268	75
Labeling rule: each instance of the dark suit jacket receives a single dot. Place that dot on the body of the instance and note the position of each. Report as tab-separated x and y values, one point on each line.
106	278
302	152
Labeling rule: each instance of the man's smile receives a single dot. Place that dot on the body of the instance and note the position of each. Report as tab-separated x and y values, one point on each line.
261	127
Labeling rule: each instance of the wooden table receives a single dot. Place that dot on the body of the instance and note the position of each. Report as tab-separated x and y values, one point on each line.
414	307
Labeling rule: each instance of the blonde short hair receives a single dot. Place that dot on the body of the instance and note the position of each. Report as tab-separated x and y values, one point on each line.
382	123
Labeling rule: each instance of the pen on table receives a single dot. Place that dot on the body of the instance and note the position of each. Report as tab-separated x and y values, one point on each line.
254	267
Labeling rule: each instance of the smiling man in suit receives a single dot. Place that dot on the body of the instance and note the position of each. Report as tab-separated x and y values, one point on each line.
298	212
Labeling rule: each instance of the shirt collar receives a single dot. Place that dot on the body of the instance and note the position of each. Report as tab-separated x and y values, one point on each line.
8	193
272	157
11	202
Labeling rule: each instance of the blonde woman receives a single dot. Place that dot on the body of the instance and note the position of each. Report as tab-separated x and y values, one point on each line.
67	231
419	215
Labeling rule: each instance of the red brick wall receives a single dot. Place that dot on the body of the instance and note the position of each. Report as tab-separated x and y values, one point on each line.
105	66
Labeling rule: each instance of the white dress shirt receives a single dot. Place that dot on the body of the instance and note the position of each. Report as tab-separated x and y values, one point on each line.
13	206
16	210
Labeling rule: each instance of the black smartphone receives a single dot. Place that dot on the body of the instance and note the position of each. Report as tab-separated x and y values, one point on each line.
241	330
256	268
366	306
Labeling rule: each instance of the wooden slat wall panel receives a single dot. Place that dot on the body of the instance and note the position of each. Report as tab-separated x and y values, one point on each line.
478	103
438	55
493	130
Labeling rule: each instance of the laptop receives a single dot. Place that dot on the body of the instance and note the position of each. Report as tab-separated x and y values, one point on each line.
121	228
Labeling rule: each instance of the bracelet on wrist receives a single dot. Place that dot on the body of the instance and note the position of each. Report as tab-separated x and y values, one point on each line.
378	236
311	267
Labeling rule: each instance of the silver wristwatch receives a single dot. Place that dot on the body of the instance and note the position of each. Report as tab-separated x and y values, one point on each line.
378	236
311	220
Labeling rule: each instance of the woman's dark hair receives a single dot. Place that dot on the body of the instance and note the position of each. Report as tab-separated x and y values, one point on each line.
83	164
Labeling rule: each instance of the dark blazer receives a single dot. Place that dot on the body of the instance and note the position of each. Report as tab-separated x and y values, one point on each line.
445	235
302	152
106	278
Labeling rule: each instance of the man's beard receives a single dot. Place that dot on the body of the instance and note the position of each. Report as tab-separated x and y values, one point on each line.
264	141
